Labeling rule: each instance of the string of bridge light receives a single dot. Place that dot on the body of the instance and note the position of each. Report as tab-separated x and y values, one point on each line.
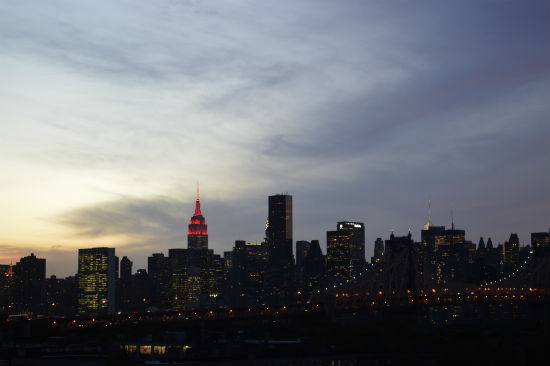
342	283
513	274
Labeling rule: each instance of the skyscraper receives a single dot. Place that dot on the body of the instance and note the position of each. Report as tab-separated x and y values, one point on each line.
197	236
378	251
248	273
511	250
314	268
29	276
125	269
346	250
158	267
96	280
279	240
540	242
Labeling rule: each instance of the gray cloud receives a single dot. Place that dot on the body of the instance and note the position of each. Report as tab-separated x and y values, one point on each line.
362	110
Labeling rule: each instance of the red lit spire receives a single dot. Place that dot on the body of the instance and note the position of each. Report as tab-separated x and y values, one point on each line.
197	225
198	203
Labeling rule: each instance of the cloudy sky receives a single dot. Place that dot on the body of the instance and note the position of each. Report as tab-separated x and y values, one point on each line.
112	111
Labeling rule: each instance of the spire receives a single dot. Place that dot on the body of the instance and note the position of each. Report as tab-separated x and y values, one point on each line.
429	223
452	219
198	203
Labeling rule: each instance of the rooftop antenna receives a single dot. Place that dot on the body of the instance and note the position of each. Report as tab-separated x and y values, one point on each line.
452	219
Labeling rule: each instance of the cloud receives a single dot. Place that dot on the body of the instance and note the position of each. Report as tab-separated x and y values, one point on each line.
115	109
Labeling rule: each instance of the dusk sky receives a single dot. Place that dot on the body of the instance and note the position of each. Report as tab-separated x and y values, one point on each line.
112	111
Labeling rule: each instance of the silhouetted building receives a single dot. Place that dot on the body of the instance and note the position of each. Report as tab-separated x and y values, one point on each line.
96	280
314	267
158	267
302	247
378	251
511	251
179	265
29	276
191	283
197	236
6	285
60	296
345	250
125	269
540	243
279	241
249	273
401	266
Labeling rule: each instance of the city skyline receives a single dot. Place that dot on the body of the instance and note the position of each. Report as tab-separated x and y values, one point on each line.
107	129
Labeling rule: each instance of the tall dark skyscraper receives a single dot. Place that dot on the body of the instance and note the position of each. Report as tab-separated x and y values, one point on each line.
511	250
279	240
96	280
197	236
125	269
346	250
30	273
158	267
378	251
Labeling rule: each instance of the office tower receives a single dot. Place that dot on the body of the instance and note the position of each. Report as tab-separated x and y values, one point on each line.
125	269
60	295
197	236
249	273
227	275
215	281
179	264
29	276
401	270
158	267
345	250
314	267
540	243
96	280
6	285
511	250
279	240
378	251
190	277
302	247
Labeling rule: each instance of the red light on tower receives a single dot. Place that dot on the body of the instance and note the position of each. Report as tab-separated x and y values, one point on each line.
197	235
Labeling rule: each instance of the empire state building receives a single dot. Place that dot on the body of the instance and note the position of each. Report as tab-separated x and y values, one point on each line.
197	236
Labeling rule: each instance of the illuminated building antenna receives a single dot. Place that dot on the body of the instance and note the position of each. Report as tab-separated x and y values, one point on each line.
429	223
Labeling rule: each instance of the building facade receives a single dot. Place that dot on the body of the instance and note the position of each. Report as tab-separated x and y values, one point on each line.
96	280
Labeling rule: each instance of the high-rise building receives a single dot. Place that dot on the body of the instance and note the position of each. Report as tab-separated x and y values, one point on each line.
540	242
279	241
28	284
249	273
302	247
511	250
179	265
314	267
197	236
6	285
96	280
345	250
125	269
401	263
378	251
158	267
